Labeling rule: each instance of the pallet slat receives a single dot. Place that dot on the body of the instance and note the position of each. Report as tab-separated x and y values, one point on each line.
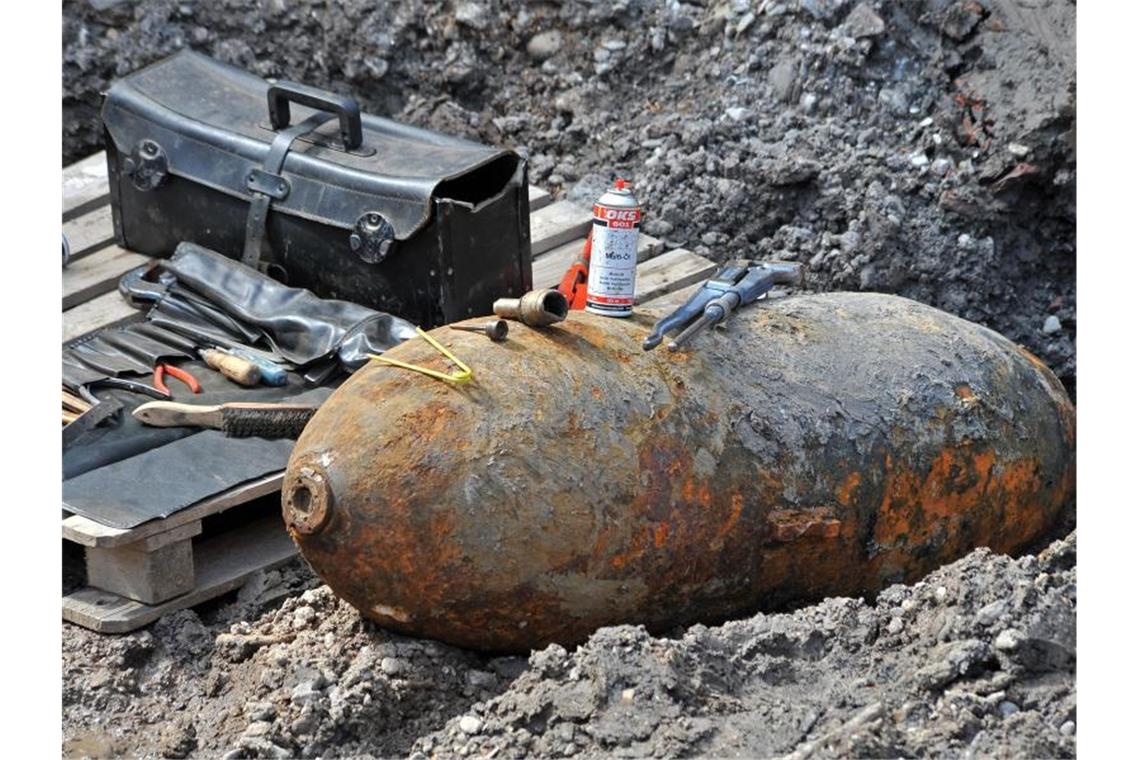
97	274
549	267
538	198
556	224
107	310
87	532
85	186
671	271
222	563
89	232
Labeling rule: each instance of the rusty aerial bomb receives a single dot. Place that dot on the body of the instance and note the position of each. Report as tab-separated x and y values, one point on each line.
819	445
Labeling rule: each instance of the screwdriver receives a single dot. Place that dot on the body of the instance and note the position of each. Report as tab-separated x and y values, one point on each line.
239	370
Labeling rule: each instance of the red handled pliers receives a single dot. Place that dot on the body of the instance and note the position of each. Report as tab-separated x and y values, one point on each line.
162	370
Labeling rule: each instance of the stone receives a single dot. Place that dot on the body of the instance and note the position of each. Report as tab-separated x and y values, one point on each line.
823	10
1018	150
303	693
1052	325
391	666
862	21
544	44
472	14
784	79
960	20
736	113
304	617
260	711
469	724
849	241
1007	709
1009	639
990	614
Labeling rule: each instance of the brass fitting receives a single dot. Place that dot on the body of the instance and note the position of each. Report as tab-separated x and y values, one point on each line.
537	308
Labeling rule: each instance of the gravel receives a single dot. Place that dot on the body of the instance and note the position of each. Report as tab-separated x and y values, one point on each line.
923	148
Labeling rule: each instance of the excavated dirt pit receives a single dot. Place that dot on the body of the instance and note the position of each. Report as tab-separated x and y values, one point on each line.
921	148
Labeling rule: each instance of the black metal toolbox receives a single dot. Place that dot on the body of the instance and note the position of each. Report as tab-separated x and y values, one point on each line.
297	181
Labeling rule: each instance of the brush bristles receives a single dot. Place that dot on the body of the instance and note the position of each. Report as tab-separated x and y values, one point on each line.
265	423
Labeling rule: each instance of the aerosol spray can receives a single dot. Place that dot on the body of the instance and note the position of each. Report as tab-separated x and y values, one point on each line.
613	252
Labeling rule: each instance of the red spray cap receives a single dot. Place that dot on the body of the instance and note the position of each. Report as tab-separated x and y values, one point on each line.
619	184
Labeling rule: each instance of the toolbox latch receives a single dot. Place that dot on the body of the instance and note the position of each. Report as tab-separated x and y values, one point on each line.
147	165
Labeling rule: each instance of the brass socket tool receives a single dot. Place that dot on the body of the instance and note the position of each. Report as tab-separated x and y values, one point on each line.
496	329
537	308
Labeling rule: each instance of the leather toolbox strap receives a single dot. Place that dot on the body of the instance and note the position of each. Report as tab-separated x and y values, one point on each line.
267	184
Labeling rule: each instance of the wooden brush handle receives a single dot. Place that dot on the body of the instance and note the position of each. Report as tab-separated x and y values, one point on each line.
233	367
175	414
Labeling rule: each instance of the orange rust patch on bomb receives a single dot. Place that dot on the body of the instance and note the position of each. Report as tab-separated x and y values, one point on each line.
966	394
736	508
637	546
660	534
696	492
845	494
963	489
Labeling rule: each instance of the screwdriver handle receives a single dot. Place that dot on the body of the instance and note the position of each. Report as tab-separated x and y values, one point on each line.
235	368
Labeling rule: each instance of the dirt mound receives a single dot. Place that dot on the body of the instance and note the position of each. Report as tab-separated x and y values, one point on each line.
920	148
977	658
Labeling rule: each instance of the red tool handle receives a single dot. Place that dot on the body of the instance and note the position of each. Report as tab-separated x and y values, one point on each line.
161	370
575	281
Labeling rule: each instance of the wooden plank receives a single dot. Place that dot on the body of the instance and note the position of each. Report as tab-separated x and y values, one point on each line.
549	267
674	298
146	576
85	186
539	198
87	532
97	274
222	563
90	232
671	271
102	311
556	224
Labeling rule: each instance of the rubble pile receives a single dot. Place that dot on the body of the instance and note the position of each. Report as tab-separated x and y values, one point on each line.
977	659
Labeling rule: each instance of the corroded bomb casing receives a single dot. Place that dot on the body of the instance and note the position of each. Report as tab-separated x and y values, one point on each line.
819	445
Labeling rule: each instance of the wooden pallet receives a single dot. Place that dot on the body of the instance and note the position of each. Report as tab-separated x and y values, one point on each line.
138	575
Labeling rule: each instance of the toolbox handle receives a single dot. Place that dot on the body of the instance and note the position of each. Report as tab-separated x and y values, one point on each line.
346	108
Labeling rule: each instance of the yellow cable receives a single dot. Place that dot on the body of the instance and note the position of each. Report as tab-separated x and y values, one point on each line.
459	378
